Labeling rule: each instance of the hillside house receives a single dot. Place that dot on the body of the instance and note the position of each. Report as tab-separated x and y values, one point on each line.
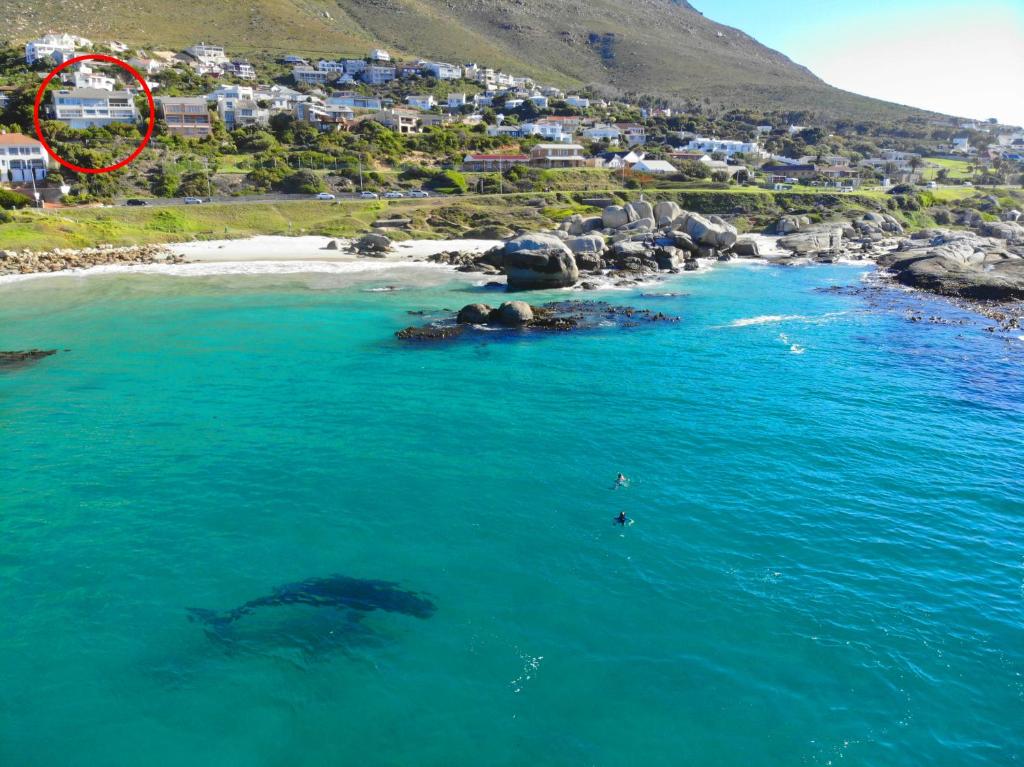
212	54
326	119
603	133
186	116
557	156
780	173
441	70
377	75
22	159
724	147
379	54
578	102
404	121
242	69
456	100
57	47
424	103
88	107
632	133
306	74
242	112
619	160
86	77
355	101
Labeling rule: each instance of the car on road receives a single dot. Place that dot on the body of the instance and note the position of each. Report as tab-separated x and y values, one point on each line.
419	193
393	195
136	202
369	196
193	200
326	196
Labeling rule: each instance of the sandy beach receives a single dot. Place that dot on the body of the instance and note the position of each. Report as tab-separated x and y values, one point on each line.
313	249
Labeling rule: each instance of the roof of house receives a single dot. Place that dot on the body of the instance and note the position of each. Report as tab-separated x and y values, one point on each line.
656	165
17	139
558	146
789	168
92	93
497	157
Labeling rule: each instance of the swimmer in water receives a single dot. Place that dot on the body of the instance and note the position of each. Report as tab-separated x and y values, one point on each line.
622	519
622	480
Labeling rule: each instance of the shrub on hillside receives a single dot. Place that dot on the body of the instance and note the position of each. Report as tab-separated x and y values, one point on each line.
12	200
302	182
448	182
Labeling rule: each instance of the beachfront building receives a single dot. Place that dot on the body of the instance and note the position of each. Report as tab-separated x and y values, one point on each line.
88	107
22	159
557	156
57	47
487	163
186	116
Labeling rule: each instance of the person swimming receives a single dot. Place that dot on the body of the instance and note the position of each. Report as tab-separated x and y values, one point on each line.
621	481
622	519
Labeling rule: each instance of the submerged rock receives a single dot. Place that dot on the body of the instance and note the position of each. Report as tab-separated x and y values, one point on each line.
520	317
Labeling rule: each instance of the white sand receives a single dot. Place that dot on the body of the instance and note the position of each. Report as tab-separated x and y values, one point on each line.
312	249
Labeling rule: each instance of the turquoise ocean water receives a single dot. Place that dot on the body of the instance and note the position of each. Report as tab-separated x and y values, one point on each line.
827	563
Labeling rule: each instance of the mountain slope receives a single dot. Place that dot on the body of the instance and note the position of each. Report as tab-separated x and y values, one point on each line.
657	47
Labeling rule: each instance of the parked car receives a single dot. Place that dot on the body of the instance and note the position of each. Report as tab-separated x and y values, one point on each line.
193	200
393	195
419	193
325	196
369	195
136	202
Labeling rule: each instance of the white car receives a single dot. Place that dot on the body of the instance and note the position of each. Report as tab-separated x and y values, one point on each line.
369	195
193	200
393	196
326	196
419	193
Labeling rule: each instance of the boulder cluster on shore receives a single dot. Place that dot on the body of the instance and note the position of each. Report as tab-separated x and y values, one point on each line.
632	243
58	259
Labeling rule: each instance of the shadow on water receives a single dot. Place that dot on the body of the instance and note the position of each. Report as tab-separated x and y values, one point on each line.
313	618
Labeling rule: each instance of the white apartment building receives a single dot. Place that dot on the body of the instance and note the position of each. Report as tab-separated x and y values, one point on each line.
59	47
88	107
22	159
86	77
442	71
727	148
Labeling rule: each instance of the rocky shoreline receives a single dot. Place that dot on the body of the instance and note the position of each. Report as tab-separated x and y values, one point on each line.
60	259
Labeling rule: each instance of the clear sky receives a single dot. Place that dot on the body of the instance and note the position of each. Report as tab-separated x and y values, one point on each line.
960	57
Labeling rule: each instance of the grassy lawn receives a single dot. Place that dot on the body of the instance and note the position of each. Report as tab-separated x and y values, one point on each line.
958	169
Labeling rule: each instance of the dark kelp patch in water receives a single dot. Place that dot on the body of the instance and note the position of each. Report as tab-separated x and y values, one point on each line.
520	319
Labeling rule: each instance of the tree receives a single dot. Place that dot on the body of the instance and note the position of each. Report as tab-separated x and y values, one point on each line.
303	182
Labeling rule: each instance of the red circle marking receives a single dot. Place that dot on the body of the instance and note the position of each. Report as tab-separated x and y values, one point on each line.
97	57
